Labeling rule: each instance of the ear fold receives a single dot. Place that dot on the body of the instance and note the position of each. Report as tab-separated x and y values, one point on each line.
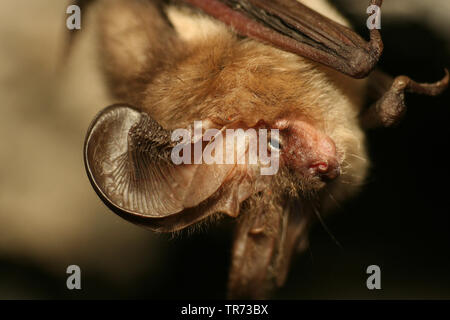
128	160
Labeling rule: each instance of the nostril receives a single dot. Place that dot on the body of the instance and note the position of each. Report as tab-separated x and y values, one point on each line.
332	174
326	171
320	167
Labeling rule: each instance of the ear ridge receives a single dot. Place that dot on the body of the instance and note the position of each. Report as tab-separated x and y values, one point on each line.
128	161
124	169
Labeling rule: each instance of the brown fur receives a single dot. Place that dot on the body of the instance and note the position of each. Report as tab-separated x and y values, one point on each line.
201	70
186	67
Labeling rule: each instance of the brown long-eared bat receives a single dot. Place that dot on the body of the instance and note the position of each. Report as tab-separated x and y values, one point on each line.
291	66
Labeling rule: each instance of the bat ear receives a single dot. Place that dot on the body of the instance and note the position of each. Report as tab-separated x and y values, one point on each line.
128	161
136	37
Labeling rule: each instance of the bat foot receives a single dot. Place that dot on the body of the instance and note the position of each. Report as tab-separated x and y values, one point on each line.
389	110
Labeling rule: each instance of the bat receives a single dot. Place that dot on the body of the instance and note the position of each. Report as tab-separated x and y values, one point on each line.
281	65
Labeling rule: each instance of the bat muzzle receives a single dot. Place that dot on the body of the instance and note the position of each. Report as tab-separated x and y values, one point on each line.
310	151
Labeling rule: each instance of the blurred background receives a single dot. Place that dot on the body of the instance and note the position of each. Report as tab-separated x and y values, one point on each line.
51	218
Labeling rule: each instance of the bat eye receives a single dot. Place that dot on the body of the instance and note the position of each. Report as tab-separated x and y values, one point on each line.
275	143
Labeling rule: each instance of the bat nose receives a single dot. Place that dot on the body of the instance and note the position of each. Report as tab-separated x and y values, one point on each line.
311	151
327	170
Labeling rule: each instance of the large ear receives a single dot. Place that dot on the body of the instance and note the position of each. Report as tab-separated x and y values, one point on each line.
135	39
128	160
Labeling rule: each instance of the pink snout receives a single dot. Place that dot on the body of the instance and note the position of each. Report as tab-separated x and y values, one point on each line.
309	150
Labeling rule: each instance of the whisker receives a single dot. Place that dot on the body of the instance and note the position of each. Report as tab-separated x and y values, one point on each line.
352	183
352	175
357	157
316	211
345	166
333	198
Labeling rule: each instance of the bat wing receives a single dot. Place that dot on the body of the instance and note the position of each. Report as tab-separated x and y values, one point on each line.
128	160
292	26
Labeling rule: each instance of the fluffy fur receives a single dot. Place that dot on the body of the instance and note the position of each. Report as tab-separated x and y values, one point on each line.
200	69
181	66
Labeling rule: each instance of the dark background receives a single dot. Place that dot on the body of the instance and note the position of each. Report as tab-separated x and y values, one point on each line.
400	221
